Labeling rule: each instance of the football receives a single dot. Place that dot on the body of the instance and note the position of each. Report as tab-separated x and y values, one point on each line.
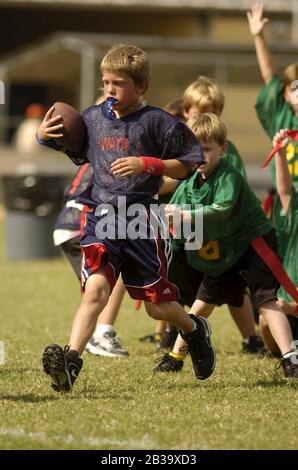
74	127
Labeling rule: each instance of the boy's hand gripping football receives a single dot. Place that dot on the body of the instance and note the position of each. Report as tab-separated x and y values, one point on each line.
49	128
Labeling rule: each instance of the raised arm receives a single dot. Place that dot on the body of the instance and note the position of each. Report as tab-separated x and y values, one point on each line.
257	23
283	178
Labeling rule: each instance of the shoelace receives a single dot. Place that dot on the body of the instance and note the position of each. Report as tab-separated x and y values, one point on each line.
164	358
116	343
114	339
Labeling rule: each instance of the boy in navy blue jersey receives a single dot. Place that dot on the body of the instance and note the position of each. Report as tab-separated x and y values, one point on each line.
129	146
67	235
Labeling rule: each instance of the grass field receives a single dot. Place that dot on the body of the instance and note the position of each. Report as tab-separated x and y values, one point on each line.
118	403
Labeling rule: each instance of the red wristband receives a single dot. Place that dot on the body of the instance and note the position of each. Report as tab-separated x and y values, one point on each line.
153	166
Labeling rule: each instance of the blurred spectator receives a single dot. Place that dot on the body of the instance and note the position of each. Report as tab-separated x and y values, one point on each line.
24	138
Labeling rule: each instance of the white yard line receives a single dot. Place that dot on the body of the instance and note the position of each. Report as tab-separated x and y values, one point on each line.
88	441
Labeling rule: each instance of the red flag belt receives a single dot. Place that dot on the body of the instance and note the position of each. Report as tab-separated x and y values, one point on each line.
274	264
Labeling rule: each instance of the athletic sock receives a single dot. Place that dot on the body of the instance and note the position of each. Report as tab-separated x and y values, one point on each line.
101	329
289	354
193	328
178	357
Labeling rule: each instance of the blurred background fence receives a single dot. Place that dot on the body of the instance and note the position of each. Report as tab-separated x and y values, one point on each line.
50	51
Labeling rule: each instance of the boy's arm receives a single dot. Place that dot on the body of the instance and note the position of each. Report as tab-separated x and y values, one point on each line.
214	213
177	169
173	168
256	25
284	183
169	185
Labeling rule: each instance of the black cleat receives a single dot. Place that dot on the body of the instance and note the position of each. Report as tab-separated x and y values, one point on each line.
290	366
200	348
168	339
62	365
168	364
255	345
154	338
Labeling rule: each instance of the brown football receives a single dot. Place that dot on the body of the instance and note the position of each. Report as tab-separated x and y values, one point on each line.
74	127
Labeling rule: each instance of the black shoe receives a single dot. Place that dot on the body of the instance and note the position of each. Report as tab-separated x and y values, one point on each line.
273	355
168	339
200	348
154	338
255	345
168	364
290	366
62	365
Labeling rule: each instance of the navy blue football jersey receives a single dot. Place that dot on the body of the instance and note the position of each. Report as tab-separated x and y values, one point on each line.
148	131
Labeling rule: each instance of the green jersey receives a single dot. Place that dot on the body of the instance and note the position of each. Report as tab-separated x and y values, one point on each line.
233	157
274	114
287	229
232	218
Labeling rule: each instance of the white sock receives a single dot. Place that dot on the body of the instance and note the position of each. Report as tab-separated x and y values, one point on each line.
101	329
193	328
289	354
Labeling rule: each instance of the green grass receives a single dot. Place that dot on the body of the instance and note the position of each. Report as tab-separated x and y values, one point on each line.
118	403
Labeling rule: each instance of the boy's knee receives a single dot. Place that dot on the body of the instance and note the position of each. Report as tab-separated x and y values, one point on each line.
158	311
96	291
263	322
152	311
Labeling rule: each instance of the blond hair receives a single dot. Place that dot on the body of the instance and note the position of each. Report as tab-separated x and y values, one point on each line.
130	60
175	108
205	95
208	127
290	74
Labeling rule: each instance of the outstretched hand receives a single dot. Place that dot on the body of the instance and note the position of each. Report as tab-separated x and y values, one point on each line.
255	18
49	128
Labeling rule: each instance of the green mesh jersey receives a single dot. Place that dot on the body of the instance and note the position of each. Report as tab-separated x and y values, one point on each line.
274	114
232	218
233	157
286	224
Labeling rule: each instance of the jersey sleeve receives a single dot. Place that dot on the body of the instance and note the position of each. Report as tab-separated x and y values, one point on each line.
270	103
181	144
